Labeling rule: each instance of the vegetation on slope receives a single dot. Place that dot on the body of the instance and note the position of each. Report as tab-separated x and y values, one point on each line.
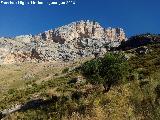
75	96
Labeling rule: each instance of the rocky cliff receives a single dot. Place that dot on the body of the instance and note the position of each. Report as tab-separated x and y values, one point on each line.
69	42
140	40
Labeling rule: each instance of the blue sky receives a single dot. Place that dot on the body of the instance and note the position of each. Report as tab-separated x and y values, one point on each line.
134	16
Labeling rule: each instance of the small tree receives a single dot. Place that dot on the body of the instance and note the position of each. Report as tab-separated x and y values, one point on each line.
109	70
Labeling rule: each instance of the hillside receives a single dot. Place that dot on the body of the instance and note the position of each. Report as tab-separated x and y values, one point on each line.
55	90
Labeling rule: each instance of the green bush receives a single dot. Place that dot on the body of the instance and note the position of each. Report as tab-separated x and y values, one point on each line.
76	95
1	115
157	90
109	70
65	70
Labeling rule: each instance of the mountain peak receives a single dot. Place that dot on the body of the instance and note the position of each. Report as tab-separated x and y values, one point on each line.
83	29
70	42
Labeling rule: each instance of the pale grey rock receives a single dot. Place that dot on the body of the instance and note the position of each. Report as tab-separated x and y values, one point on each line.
66	43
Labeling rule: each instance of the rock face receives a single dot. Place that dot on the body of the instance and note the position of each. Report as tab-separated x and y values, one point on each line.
140	40
69	42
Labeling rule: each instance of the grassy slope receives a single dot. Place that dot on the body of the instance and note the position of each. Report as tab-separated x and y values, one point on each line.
134	100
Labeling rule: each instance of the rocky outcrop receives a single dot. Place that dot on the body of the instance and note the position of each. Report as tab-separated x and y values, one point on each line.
140	40
82	29
66	43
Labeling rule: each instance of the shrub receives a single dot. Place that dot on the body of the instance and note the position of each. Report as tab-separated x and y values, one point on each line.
65	70
1	115
76	95
109	70
157	90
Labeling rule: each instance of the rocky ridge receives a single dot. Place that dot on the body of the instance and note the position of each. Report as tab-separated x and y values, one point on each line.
66	43
140	40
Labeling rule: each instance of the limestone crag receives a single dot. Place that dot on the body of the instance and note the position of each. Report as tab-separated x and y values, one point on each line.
82	29
69	42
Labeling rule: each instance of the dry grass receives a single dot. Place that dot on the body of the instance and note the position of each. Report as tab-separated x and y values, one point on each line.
120	103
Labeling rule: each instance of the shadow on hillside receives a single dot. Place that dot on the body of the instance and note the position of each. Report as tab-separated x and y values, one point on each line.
34	104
